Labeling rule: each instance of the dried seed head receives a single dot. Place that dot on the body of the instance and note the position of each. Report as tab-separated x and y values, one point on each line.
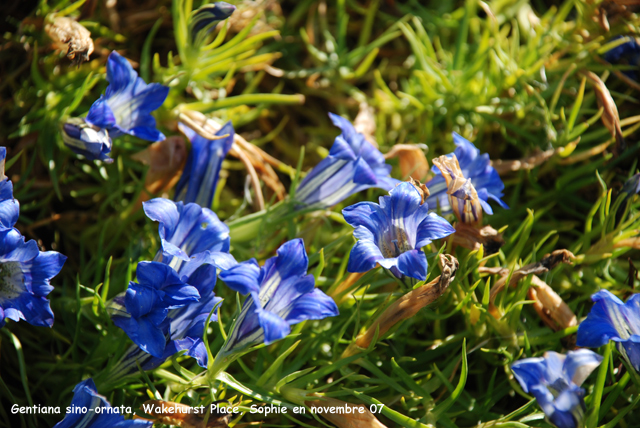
463	197
68	34
421	188
610	117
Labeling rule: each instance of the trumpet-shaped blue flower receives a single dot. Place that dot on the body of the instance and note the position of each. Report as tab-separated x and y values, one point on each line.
205	18
555	381
393	232
190	235
281	294
164	313
9	207
353	165
200	176
91	142
627	53
99	413
126	106
475	167
25	271
166	310
610	319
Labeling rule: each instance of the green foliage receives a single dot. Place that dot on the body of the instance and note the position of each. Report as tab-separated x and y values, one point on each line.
507	75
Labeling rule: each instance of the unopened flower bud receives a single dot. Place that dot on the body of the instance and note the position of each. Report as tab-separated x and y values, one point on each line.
86	140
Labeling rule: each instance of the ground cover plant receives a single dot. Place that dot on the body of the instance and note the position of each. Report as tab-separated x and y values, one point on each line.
349	213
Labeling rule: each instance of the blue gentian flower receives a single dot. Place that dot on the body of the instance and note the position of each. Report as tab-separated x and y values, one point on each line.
200	175
25	271
164	313
91	142
555	381
9	207
353	165
281	294
610	319
99	413
393	232
205	18
190	234
126	106
628	53
475	167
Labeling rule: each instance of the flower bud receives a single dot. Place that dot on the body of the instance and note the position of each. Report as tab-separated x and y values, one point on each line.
86	140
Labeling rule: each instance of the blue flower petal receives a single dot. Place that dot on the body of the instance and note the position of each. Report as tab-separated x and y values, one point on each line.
365	214
186	230
100	114
292	259
551	381
83	139
364	256
342	150
160	277
275	328
281	294
200	175
631	349
243	278
363	174
465	151
311	306
413	263
204	19
353	165
140	300
567	404
529	372
432	227
128	102
604	322
579	364
25	275
85	396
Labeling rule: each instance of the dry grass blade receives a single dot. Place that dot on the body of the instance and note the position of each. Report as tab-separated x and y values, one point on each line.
526	163
610	117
